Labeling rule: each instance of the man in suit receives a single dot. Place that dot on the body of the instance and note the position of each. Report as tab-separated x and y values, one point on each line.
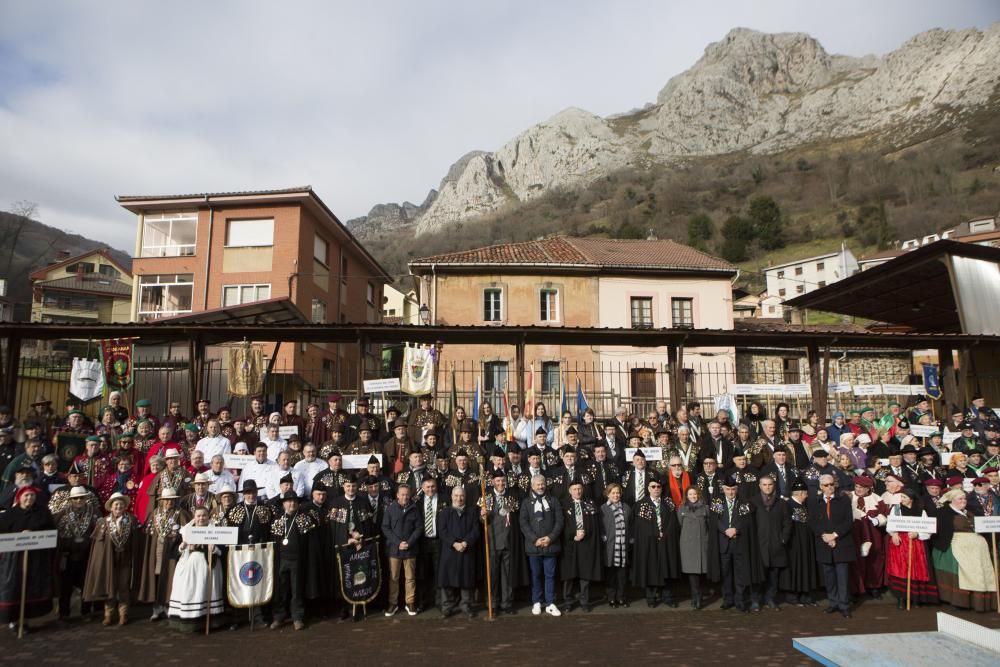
430	504
733	523
720	447
781	472
832	519
637	479
602	471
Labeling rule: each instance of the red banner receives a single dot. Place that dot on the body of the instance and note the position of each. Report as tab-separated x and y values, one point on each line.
116	359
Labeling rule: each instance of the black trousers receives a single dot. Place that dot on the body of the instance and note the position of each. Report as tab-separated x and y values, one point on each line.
500	584
72	576
428	594
584	595
288	592
617	578
452	597
694	582
835	578
733	587
768	589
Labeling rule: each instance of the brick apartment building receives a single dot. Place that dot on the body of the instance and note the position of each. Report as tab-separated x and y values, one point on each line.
208	252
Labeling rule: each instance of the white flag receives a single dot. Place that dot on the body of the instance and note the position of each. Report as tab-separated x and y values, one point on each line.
728	403
251	575
418	370
86	380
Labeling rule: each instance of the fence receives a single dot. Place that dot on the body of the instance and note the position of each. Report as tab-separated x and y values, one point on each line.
636	385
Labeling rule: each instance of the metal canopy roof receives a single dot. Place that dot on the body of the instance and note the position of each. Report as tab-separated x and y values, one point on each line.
269	311
914	289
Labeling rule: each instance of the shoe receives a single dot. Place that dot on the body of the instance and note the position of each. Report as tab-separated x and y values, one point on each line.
122	619
744	609
670	603
830	610
510	611
469	614
411	611
845	613
299	625
877	595
773	606
652	604
536	608
585	608
553	610
445	614
391	611
755	607
726	605
275	625
233	627
156	617
107	618
623	603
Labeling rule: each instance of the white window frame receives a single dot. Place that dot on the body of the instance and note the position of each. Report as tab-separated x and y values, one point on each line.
243	243
257	287
553	304
631	312
312	312
498	306
673	318
166	284
168	249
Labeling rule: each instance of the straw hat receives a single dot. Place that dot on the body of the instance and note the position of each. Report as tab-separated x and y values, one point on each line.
117	496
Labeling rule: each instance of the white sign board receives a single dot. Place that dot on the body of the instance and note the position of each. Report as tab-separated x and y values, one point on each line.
949	437
378	386
911	524
945	458
923	431
237	461
285	431
651	453
839	388
797	389
867	390
28	540
987	524
210	534
898	389
359	461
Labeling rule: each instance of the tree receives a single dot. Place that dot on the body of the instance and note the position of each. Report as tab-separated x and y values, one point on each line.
739	234
699	230
25	208
765	216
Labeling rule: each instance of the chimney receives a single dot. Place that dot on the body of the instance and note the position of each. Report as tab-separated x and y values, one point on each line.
651	236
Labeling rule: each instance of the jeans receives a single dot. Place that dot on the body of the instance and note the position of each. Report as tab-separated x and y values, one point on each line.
543	571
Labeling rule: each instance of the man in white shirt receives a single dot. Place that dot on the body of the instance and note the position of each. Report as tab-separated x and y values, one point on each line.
309	467
260	470
274	442
214	442
281	469
218	476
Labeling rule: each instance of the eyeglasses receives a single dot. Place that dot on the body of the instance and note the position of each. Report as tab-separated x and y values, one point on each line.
654	486
827	484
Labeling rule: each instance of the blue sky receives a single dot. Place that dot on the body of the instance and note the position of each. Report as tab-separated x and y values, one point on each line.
368	104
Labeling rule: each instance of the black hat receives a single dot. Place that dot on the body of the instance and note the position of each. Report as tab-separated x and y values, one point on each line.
362	401
908	449
635	435
400	423
371	479
462	452
576	480
568	449
533	451
781	448
319	486
571	430
426	397
466	427
903	423
820	453
350	477
289	495
661	430
730	481
497	452
249	486
919	398
799	485
287	479
975	450
793	426
966	425
365	425
294	437
373	459
541	431
639	453
738	451
926	451
432	432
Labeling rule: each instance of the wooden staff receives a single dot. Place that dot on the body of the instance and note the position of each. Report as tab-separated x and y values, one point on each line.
24	591
995	576
486	545
208	599
909	569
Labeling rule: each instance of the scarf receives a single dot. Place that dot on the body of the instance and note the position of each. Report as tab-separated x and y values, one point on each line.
678	490
768	499
693	507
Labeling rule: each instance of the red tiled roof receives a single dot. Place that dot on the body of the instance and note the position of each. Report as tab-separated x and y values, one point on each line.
594	253
44	271
777	325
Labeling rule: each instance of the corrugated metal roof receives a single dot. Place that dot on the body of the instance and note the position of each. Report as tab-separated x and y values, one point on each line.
88	282
238	193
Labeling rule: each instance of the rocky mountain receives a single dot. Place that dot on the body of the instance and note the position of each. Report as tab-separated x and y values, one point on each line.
752	93
385	219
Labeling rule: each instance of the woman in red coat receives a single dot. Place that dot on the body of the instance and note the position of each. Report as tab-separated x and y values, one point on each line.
142	498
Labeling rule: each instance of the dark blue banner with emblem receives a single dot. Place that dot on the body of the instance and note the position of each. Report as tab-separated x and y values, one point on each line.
360	572
932	384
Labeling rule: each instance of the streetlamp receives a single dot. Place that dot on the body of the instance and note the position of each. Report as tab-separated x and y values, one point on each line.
425	314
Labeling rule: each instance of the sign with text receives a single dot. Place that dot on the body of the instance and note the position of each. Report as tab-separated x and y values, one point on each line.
945	458
867	390
898	389
30	540
949	437
651	453
210	534
359	461
911	524
285	431
923	431
237	461
378	386
840	387
987	524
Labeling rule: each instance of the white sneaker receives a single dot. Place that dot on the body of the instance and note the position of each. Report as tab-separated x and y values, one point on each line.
553	610
537	608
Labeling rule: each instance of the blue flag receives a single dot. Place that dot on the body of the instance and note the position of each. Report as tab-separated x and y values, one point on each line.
563	403
581	401
932	384
476	400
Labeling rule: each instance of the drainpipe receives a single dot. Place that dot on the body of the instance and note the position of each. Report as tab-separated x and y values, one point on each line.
208	254
434	293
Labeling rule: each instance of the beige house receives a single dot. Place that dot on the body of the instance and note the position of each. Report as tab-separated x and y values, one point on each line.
580	282
90	287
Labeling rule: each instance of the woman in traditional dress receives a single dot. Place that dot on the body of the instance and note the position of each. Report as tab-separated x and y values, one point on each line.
857	455
800	578
900	548
754	420
26	514
698	558
148	486
190	596
162	529
961	558
115	557
616	535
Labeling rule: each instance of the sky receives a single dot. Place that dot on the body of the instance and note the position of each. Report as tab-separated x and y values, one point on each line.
367	102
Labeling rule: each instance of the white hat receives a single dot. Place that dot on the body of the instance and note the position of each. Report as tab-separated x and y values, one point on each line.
201	478
169	493
226	489
172	454
863	438
117	496
79	492
240	447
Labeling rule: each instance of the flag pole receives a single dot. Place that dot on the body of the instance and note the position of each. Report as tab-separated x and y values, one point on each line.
208	599
909	569
24	592
486	545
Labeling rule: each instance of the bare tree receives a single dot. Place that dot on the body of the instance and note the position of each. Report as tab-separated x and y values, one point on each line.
25	208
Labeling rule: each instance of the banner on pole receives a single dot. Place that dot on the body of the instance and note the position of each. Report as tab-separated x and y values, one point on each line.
418	370
932	381
116	360
378	386
246	371
86	381
251	575
360	572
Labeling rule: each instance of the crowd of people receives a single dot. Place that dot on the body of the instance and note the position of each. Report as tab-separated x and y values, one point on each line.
565	512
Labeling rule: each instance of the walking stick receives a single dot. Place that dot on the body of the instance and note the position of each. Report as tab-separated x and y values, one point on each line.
208	599
24	591
486	544
995	576
909	569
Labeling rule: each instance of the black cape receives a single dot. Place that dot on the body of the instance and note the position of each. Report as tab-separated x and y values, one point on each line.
656	555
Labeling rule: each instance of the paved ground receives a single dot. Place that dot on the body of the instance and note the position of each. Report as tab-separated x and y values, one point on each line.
679	637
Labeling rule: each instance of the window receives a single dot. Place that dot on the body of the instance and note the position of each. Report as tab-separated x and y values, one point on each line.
550	376
320	250
781	274
110	271
799	289
494	375
249	233
370	294
492	304
683	312
798	270
318	311
790	369
549	305
770	309
80	267
69	302
327	378
234	295
643	381
343	269
169	235
642	312
822	283
820	266
165	295
781	292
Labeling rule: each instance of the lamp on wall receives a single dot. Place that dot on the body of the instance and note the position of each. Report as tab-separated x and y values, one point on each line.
425	314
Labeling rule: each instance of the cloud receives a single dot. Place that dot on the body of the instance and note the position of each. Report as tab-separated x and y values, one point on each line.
368	104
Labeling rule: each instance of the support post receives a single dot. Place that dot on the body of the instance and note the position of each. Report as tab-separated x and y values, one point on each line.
519	365
362	350
825	387
675	353
948	382
964	361
198	367
815	376
10	371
